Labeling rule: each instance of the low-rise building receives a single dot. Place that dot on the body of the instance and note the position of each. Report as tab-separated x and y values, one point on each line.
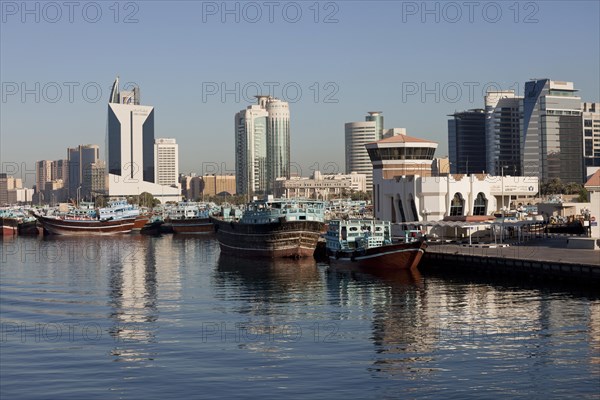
321	186
406	189
593	187
12	190
197	187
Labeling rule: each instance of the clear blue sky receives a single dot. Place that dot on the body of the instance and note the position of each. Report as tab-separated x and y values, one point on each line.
373	58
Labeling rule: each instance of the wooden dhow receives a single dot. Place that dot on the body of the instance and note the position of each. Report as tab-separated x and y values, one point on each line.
272	228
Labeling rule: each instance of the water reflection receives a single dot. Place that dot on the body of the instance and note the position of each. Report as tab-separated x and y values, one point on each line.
165	299
267	281
276	301
133	299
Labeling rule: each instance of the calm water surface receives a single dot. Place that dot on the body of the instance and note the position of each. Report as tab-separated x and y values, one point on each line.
168	317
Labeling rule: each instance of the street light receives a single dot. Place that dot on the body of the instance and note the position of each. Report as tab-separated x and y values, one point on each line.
502	205
448	199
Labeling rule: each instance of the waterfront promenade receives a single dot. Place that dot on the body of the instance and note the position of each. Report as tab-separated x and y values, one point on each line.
538	258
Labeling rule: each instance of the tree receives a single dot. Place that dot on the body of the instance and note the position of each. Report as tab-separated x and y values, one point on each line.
583	195
360	196
100	202
552	186
573	188
146	200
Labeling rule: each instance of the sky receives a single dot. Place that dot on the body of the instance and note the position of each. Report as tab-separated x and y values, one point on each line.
200	62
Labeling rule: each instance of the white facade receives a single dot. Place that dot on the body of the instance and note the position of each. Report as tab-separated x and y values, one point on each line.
262	145
358	134
166	154
593	187
320	186
130	148
24	195
251	149
421	198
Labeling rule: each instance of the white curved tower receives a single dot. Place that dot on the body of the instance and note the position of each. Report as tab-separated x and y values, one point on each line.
358	134
262	145
278	141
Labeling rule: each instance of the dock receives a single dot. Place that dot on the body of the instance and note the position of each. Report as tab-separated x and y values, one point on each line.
540	259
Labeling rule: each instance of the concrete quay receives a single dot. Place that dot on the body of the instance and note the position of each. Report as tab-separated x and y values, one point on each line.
535	259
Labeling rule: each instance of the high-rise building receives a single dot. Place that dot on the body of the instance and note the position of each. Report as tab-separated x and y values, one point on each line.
130	148
503	120
358	134
262	145
79	159
43	174
4	188
467	142
591	136
94	179
551	145
60	170
166	153
278	140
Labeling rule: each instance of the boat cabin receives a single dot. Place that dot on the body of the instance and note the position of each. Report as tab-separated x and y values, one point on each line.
269	211
357	234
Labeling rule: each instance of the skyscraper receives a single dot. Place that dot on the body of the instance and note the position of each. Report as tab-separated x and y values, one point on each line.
130	147
262	145
79	159
278	140
166	153
467	142
551	144
94	179
503	123
591	136
357	135
43	174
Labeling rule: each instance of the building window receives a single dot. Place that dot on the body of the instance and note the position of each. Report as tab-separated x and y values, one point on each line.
479	208
457	205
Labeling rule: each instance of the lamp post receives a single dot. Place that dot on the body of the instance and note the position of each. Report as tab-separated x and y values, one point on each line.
502	205
448	199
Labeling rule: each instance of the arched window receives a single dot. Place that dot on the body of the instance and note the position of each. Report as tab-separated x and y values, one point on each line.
480	206
457	205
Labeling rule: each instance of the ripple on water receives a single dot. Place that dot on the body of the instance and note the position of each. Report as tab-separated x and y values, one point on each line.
169	317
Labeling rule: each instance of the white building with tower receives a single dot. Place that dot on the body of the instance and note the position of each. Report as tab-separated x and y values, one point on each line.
130	148
262	145
406	189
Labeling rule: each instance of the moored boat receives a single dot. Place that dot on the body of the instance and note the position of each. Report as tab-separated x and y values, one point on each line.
368	244
272	228
190	218
66	226
153	227
140	221
28	227
9	226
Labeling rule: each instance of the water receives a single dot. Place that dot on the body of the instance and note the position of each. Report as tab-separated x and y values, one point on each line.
168	317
